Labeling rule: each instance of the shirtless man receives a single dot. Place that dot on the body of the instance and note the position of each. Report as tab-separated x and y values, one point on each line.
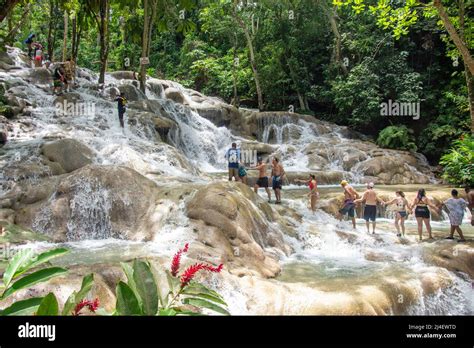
348	207
262	178
370	199
277	177
470	201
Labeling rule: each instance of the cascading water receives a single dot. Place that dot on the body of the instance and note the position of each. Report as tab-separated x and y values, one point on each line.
328	253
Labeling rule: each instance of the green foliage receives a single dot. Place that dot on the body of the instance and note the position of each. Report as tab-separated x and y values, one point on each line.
458	163
143	294
397	137
25	261
77	297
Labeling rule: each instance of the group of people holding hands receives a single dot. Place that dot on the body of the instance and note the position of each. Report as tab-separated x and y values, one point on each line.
420	205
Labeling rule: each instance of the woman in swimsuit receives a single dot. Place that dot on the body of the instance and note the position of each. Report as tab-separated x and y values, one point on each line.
422	213
401	213
313	190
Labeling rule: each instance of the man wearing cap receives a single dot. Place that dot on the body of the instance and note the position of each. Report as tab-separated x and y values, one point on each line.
348	208
370	199
262	178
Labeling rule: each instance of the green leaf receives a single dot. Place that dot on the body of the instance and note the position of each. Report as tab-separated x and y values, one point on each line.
20	259
42	258
205	304
208	297
127	302
34	278
77	297
169	312
49	306
196	288
23	307
128	270
146	287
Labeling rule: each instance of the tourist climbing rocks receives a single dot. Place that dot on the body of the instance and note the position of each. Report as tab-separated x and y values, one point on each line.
59	79
121	104
422	213
313	191
349	206
38	54
455	206
401	214
29	44
470	201
278	173
370	199
262	180
233	159
70	70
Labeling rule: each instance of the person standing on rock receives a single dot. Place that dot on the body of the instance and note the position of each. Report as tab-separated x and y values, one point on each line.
278	173
456	207
233	159
370	198
58	79
349	206
121	104
29	43
401	213
262	180
422	213
470	201
70	70
38	54
313	191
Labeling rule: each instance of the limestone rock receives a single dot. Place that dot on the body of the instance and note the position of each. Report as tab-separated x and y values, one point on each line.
70	154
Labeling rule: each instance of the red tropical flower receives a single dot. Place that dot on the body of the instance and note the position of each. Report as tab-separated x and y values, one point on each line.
177	259
191	271
92	305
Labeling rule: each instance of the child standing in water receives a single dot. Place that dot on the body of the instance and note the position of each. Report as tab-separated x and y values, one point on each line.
401	213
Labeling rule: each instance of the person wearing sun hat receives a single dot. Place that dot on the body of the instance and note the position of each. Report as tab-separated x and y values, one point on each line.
349	206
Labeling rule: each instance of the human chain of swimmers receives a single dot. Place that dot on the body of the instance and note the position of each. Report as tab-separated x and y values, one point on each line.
420	205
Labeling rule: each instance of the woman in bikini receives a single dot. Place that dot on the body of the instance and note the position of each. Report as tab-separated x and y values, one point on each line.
313	191
422	213
401	213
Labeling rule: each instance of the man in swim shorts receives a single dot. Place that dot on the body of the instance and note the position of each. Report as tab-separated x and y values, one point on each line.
349	206
262	180
370	199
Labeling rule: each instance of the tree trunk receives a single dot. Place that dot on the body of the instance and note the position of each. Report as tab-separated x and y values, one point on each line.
75	49
104	35
295	82
253	63
74	33
52	25
146	24
235	100
65	36
469	77
6	8
332	15
460	45
149	15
